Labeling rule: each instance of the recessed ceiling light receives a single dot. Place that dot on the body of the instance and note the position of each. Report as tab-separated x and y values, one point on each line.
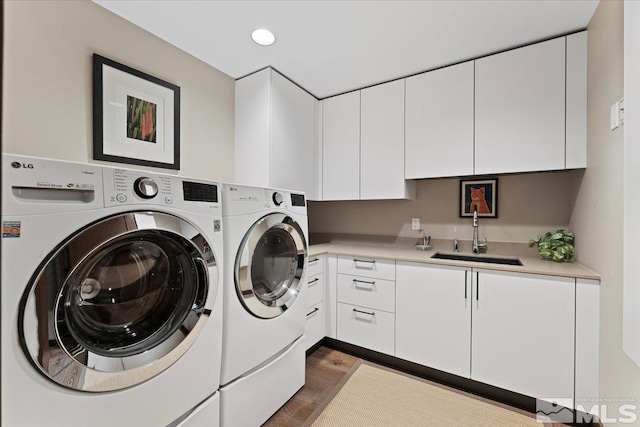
263	37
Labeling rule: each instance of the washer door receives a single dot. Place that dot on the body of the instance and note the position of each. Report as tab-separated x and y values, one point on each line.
270	265
118	302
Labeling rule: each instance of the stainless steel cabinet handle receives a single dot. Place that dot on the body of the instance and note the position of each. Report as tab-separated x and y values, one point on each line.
364	281
477	286
466	273
313	311
313	281
364	312
364	260
314	260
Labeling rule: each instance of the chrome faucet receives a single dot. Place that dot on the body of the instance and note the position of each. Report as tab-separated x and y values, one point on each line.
477	245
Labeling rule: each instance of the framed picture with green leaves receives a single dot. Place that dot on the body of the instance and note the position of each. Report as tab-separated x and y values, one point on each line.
136	116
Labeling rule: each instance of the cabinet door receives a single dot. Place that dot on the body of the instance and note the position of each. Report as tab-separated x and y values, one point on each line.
577	100
520	109
439	123
314	329
366	327
292	150
252	129
433	317
382	142
523	333
341	147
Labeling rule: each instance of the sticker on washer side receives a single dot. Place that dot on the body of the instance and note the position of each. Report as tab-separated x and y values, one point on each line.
10	229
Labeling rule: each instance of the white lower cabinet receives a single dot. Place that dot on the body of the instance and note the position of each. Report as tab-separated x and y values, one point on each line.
366	327
314	330
368	292
509	330
315	297
315	289
365	292
433	316
523	333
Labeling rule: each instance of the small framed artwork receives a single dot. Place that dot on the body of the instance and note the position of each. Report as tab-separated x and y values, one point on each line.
480	195
136	117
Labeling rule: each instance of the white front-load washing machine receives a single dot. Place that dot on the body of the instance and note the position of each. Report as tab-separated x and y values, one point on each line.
111	301
263	352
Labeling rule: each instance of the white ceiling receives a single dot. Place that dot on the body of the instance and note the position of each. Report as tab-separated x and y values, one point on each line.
330	47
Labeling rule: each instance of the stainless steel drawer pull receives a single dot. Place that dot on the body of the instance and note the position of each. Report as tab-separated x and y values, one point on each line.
365	260
370	313
313	281
313	311
465	283
314	260
363	281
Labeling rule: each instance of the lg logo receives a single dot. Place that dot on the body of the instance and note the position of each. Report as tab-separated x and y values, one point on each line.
18	165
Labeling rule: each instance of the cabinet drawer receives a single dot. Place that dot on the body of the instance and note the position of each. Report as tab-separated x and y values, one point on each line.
367	292
367	267
372	329
315	287
315	265
314	330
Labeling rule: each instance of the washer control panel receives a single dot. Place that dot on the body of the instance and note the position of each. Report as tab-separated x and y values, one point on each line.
124	187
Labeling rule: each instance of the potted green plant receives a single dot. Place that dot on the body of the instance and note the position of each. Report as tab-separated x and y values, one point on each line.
558	246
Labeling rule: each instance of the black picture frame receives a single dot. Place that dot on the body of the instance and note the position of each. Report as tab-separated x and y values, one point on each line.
485	191
136	116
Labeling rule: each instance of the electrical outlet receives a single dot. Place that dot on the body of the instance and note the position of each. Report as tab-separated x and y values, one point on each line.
415	223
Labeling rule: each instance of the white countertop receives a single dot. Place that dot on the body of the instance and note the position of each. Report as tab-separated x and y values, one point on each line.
407	253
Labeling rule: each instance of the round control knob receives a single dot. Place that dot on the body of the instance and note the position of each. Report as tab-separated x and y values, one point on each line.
145	187
277	198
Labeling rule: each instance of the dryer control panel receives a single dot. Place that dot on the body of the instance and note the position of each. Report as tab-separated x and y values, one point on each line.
134	187
244	199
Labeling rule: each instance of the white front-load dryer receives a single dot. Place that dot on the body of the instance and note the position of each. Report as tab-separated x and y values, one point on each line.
111	301
263	353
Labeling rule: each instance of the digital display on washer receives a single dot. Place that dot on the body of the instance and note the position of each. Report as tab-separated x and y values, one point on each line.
198	192
297	199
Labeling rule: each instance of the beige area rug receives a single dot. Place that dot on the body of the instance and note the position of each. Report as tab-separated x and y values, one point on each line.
374	396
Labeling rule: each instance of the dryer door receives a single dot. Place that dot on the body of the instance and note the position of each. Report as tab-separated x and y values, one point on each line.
119	301
270	265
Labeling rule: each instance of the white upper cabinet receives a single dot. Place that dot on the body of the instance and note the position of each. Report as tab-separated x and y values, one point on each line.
382	143
439	123
275	143
341	147
292	136
520	109
576	101
253	129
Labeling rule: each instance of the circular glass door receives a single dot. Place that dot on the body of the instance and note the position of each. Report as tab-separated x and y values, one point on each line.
122	294
270	265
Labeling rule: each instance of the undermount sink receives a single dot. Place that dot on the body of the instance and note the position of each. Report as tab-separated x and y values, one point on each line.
477	258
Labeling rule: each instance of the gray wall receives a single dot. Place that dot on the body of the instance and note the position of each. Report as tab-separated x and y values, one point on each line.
528	205
598	213
47	99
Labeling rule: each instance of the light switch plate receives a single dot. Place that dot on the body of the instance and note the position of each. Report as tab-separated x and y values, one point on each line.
415	223
615	115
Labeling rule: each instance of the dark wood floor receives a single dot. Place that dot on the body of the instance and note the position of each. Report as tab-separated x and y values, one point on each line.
325	368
